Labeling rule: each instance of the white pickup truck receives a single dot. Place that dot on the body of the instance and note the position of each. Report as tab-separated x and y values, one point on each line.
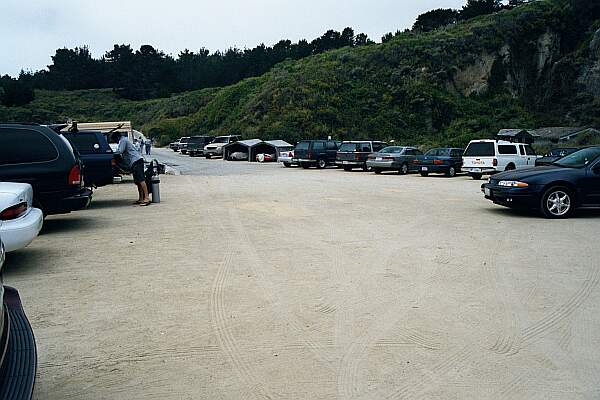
486	157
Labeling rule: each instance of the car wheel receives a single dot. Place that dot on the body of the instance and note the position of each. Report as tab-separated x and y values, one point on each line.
287	164
207	156
557	202
321	164
404	169
476	176
377	171
347	168
305	165
451	172
424	174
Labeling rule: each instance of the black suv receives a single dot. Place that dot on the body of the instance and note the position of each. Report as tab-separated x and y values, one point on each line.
319	153
39	156
96	155
195	146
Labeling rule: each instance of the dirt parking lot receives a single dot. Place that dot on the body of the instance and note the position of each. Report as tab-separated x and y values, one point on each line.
294	284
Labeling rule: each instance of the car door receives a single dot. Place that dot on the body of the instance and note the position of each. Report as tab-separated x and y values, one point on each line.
591	184
523	161
531	155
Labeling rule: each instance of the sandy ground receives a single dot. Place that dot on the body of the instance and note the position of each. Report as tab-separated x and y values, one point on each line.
293	284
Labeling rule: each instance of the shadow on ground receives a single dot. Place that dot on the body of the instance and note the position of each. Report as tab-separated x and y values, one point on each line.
519	213
61	224
27	261
111	203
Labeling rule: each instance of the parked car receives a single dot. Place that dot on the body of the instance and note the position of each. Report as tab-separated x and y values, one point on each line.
354	154
96	155
286	158
554	155
20	222
18	355
556	190
238	156
182	147
485	157
39	156
174	146
443	160
195	146
393	158
318	153
215	147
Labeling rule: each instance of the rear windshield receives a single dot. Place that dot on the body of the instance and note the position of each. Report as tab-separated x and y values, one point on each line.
438	153
580	158
302	146
480	149
85	143
184	140
392	150
198	140
350	147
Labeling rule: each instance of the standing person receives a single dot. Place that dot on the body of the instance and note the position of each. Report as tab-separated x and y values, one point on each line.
133	159
148	147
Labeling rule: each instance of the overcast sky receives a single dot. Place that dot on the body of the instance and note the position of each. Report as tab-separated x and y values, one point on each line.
31	30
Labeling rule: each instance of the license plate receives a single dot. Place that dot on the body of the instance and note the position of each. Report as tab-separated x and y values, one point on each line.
488	192
424	169
346	163
475	169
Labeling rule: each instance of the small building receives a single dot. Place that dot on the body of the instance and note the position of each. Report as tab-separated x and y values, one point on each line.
518	135
242	146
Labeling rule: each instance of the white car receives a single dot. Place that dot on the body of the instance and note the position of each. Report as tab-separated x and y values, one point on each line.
486	157
20	223
215	148
286	157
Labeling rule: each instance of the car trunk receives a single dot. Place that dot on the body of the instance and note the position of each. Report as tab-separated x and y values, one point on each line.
301	150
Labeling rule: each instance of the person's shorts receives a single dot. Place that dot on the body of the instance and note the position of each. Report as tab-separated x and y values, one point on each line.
137	170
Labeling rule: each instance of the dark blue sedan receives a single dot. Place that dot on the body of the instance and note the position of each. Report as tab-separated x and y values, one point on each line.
446	161
557	190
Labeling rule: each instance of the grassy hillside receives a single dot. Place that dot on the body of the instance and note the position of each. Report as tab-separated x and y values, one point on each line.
517	68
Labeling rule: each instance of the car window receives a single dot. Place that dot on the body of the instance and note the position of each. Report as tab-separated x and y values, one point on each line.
302	146
378	146
21	146
331	145
530	151
348	147
507	149
318	146
580	158
85	143
418	152
365	147
480	149
391	149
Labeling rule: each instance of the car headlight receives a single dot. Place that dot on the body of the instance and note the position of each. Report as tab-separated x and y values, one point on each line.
515	184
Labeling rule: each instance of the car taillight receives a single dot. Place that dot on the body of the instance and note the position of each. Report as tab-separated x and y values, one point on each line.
416	162
291	154
13	212
495	162
438	162
75	175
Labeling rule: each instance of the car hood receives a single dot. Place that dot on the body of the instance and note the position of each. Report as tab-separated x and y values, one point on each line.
523	174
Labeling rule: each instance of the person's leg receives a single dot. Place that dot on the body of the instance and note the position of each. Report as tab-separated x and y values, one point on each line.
144	192
140	192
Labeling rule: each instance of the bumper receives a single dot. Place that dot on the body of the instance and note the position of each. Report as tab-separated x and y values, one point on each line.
213	152
286	160
17	372
511	197
79	201
382	164
18	233
344	163
303	161
432	169
477	170
195	152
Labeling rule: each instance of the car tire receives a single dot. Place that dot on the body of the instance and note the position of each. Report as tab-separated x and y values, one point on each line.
321	164
403	169
207	156
378	171
425	174
347	168
287	165
305	165
451	172
476	176
558	203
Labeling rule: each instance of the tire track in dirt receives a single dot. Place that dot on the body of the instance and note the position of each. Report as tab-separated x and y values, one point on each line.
550	321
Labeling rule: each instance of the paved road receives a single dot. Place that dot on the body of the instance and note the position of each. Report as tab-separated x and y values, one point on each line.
283	283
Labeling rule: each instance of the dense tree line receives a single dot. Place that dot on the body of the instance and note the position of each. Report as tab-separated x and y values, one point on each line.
150	73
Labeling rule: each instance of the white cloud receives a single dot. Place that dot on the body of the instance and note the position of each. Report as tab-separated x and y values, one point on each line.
33	29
